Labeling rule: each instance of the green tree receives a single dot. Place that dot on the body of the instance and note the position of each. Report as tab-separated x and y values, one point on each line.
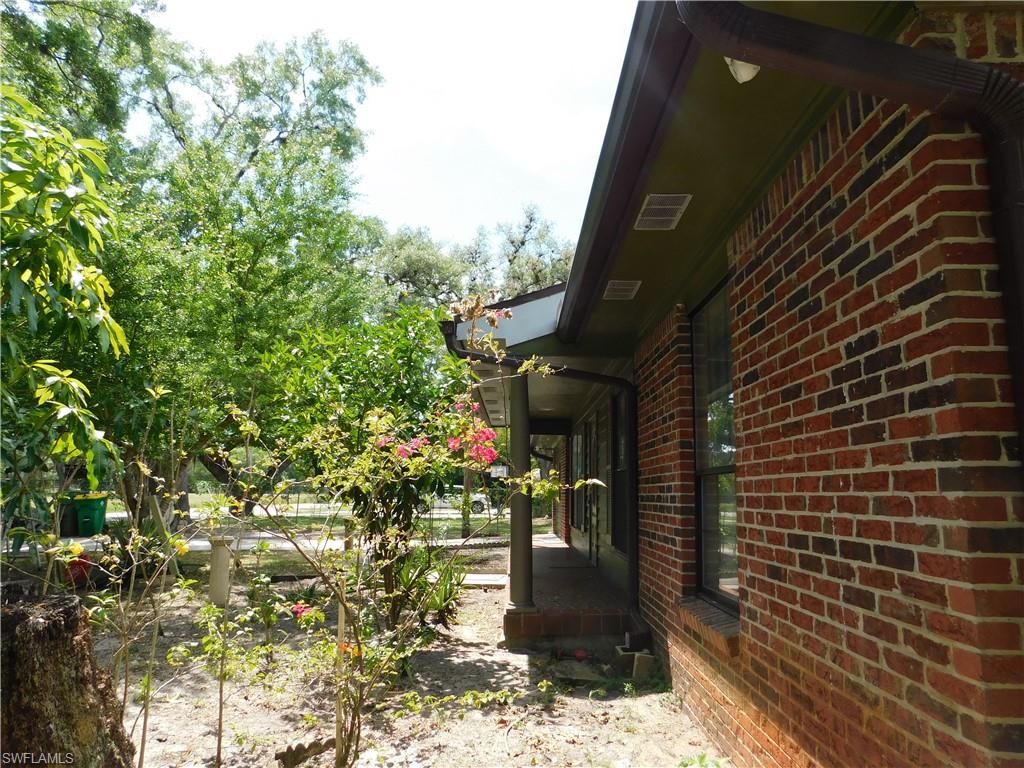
78	60
411	267
396	363
237	233
54	297
531	257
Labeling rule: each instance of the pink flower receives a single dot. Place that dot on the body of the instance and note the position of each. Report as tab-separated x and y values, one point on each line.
484	435
454	443
483	454
460	407
419	442
403	451
300	609
386	440
475	407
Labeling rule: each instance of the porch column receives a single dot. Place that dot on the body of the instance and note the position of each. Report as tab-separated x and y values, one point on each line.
521	525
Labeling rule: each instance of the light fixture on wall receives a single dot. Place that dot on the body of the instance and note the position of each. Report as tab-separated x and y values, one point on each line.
741	71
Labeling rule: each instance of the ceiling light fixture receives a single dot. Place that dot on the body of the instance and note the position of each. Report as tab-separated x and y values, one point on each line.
741	71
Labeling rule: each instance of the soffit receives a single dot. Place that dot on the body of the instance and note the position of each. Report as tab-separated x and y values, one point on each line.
724	143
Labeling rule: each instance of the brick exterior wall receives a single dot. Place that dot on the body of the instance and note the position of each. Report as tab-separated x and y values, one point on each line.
878	467
666	520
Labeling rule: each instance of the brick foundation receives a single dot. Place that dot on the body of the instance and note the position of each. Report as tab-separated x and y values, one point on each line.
545	624
878	469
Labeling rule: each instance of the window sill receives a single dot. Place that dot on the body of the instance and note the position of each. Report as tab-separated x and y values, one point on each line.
715	628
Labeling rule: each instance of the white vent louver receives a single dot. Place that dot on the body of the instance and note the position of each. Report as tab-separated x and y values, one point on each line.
621	290
661	212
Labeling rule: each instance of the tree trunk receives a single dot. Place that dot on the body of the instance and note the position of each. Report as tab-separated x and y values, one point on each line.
182	504
136	486
228	477
56	699
467	496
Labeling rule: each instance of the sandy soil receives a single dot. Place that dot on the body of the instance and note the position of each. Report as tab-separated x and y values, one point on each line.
584	724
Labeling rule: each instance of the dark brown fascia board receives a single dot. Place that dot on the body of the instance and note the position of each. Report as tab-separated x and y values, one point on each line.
523	298
990	99
653	75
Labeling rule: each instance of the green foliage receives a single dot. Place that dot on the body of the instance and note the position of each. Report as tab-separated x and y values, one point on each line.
221	647
54	296
548	691
412	268
340	375
414	704
236	234
74	58
427	585
266	604
704	760
408	266
55	220
533	258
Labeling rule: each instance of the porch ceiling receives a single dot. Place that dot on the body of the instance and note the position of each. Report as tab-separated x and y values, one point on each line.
551	397
719	140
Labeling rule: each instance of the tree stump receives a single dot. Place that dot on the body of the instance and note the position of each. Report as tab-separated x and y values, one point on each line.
55	699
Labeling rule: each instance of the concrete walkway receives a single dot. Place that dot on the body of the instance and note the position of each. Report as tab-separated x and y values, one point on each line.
486	580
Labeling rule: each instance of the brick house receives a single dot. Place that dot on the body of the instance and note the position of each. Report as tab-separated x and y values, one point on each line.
790	346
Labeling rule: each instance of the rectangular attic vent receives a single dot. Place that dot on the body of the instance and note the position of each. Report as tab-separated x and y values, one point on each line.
621	290
661	212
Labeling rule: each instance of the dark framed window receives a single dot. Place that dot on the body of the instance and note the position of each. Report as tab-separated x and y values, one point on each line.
620	472
715	449
578	473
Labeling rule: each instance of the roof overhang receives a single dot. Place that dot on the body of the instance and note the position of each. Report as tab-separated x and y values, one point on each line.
680	123
530	325
533	316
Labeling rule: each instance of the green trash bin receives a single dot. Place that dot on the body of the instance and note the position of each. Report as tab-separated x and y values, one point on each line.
90	511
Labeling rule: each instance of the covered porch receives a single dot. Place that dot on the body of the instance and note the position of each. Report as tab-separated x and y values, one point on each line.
582	581
570	596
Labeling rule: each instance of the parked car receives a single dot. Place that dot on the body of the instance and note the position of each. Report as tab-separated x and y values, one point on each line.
479	502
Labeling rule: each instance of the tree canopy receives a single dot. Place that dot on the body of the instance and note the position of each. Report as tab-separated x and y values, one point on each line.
55	296
237	248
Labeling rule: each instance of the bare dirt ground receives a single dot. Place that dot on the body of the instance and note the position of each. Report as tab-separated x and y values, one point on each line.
592	723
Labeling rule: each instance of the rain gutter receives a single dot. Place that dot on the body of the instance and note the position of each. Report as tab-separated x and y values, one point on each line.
659	58
991	100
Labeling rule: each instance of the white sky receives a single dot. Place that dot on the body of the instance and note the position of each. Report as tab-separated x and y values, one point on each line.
485	106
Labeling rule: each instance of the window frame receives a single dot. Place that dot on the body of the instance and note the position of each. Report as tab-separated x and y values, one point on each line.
730	604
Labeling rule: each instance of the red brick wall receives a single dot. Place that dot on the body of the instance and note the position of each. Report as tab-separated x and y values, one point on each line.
878	470
666	532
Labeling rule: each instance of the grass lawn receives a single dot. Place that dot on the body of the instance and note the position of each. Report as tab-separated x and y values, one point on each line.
480	525
437	527
292	564
271	563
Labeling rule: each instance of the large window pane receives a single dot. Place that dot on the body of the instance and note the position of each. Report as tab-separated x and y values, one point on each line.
718	534
716	443
716	448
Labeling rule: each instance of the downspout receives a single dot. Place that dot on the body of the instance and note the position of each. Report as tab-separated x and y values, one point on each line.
991	100
448	328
